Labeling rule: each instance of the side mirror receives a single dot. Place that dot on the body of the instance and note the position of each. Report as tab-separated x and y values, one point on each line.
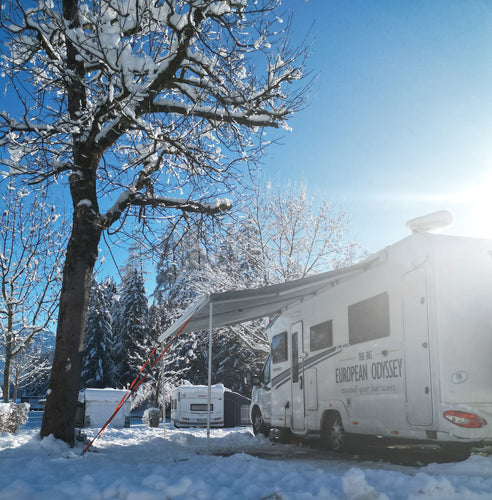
255	380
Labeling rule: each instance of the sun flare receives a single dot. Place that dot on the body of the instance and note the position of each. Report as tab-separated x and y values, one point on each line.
477	202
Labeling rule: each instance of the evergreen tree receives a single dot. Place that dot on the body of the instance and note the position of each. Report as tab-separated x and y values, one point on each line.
97	363
150	389
180	278
130	327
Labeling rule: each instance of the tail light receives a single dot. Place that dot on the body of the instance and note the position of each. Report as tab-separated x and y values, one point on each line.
464	419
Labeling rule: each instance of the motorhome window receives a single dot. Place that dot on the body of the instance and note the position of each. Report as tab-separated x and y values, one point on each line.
200	407
279	348
321	336
295	358
369	319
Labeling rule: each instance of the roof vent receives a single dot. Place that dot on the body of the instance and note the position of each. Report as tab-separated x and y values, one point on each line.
431	223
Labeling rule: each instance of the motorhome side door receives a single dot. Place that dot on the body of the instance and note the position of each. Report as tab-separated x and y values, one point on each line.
297	370
417	356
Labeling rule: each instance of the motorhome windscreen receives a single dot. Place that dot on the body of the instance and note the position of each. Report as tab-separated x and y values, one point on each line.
321	336
200	407
369	319
279	348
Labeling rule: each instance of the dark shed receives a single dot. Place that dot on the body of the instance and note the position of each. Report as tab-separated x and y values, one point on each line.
236	409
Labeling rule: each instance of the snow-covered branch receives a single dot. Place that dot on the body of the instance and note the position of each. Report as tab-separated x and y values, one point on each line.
184	205
263	119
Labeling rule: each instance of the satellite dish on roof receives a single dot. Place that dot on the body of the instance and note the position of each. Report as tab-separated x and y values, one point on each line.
431	223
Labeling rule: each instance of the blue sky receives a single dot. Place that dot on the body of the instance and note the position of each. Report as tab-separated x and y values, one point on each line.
400	120
400	123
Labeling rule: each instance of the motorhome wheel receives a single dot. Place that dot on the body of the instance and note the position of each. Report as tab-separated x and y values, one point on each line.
259	426
332	432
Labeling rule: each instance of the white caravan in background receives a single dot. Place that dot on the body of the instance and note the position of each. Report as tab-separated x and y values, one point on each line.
189	406
400	348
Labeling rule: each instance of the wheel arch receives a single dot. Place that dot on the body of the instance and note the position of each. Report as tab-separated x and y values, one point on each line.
332	432
253	410
335	407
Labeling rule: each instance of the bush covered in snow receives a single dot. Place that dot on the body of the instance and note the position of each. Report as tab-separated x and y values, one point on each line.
12	415
151	417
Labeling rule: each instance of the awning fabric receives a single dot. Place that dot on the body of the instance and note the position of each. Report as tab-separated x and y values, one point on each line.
230	308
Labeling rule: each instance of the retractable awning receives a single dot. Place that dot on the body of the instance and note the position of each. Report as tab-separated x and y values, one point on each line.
230	308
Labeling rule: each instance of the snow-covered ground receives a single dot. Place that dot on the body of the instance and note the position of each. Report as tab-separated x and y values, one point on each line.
142	464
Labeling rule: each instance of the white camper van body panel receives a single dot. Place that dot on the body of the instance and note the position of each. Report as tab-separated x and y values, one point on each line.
393	347
189	406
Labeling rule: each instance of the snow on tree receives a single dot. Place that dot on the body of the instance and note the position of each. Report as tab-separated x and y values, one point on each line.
31	253
37	372
31	367
130	328
295	238
151	388
147	107
190	267
279	236
182	259
97	362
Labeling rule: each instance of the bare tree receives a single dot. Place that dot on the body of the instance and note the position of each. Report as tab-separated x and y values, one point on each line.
32	365
295	238
147	106
31	255
279	236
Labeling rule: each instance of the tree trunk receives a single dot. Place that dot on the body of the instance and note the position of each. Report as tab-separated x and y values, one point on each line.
8	354
61	400
16	386
6	375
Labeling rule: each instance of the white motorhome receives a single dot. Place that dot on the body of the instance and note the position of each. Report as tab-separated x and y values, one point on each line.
189	406
398	347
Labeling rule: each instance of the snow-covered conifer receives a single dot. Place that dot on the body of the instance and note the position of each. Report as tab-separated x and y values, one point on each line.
97	363
130	328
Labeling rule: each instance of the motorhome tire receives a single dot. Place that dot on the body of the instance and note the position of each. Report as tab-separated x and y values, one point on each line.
332	432
259	426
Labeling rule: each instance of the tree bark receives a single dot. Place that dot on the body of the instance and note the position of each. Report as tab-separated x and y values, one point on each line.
61	400
16	386
8	355
82	250
6	375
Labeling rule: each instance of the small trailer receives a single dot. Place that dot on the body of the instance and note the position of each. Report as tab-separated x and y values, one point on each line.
397	347
95	406
189	407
